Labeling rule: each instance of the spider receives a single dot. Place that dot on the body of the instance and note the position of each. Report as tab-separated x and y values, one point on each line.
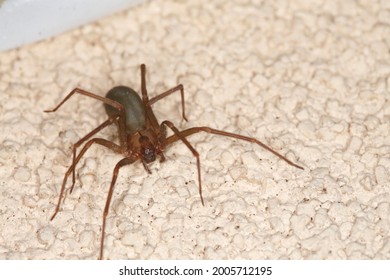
141	137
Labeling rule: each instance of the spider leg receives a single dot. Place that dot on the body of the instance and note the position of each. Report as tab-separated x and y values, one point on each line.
145	97
99	141
168	92
194	130
144	93
116	105
182	137
85	138
146	167
162	157
121	163
150	117
108	101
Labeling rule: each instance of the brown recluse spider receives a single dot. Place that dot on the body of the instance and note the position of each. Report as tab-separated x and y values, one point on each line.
140	135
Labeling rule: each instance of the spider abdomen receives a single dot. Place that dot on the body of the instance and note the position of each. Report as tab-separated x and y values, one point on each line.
132	103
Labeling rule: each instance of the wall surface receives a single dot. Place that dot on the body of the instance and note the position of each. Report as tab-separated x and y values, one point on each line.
308	78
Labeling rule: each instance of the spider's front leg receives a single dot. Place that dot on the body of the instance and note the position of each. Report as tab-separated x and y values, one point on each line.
121	163
85	138
210	130
179	135
99	141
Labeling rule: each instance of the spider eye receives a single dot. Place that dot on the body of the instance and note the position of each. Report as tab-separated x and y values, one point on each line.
149	155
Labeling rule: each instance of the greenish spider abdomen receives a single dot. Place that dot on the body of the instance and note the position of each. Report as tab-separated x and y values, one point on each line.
132	103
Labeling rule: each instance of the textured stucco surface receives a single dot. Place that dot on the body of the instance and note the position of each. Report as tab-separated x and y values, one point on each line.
309	78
